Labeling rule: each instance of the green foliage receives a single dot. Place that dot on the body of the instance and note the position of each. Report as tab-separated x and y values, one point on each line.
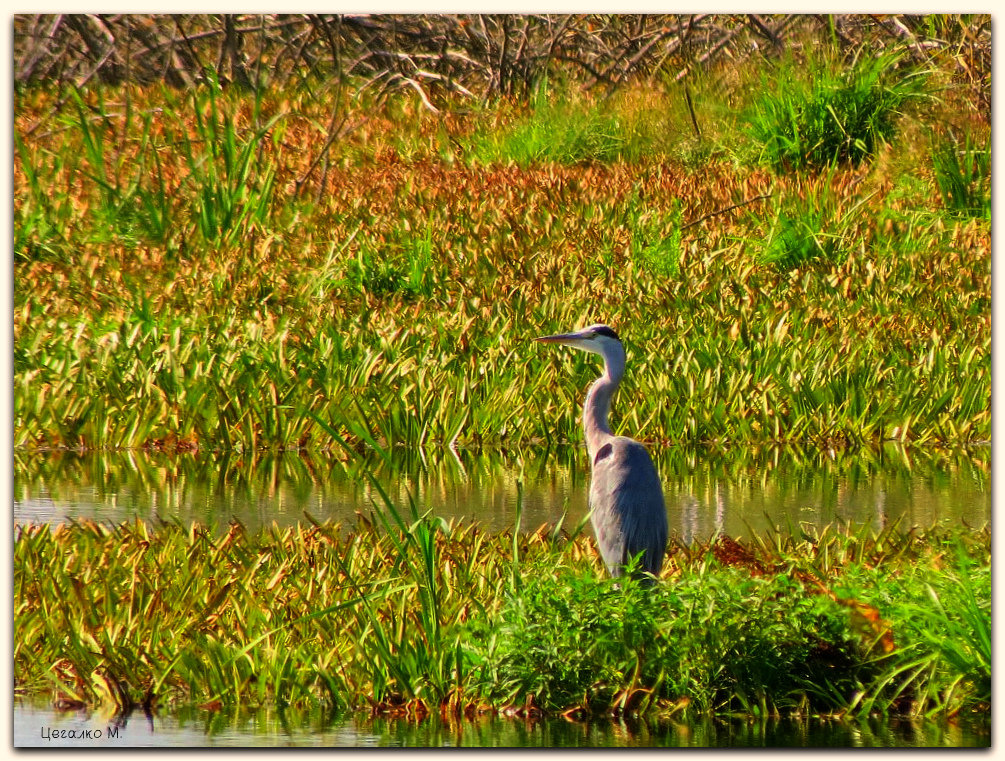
407	609
722	639
565	638
565	131
226	191
963	175
407	271
805	230
42	215
130	203
832	113
794	241
654	252
233	186
814	223
943	631
960	627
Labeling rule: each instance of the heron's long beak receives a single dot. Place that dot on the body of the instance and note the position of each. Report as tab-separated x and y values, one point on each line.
566	339
558	338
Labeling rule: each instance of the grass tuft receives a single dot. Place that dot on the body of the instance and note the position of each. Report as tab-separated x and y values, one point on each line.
567	131
833	114
963	175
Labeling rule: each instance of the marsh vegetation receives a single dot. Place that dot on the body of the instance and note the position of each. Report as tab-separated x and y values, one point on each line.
187	275
334	258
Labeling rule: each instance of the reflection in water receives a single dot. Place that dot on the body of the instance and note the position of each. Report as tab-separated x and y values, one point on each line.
194	727
706	490
731	490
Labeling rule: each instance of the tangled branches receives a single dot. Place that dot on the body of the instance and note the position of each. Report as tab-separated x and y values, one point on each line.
475	55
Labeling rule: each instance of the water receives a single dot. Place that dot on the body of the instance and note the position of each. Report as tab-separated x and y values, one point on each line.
732	491
37	725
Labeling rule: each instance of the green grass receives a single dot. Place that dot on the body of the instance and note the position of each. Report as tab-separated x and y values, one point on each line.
234	185
963	174
803	231
225	181
405	612
717	637
656	242
566	131
818	113
403	270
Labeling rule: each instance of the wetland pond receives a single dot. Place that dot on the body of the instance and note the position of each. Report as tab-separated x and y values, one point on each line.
39	725
706	490
737	493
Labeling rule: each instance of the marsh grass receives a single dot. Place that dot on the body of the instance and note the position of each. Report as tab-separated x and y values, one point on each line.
569	130
656	242
963	175
221	189
403	269
233	178
824	111
410	615
814	224
174	288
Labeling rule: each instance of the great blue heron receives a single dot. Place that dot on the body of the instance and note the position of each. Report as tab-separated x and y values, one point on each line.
626	498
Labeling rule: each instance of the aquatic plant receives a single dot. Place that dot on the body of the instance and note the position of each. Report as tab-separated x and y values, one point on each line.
394	309
410	614
187	275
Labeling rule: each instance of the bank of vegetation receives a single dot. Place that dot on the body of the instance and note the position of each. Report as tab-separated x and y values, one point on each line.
342	233
797	248
408	615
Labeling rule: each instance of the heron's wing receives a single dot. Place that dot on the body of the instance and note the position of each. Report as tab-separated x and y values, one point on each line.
629	515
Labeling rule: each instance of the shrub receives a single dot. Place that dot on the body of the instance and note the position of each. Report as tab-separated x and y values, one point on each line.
716	636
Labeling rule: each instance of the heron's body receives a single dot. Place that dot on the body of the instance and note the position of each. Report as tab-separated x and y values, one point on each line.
626	501
626	498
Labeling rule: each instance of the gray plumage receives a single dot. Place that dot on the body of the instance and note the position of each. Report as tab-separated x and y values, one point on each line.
626	497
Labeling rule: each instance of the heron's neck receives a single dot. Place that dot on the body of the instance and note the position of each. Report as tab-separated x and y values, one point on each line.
598	404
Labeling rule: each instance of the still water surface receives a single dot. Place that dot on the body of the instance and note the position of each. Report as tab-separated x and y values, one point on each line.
729	490
706	490
36	725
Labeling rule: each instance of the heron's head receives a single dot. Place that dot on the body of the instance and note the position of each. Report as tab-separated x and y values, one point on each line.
599	339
